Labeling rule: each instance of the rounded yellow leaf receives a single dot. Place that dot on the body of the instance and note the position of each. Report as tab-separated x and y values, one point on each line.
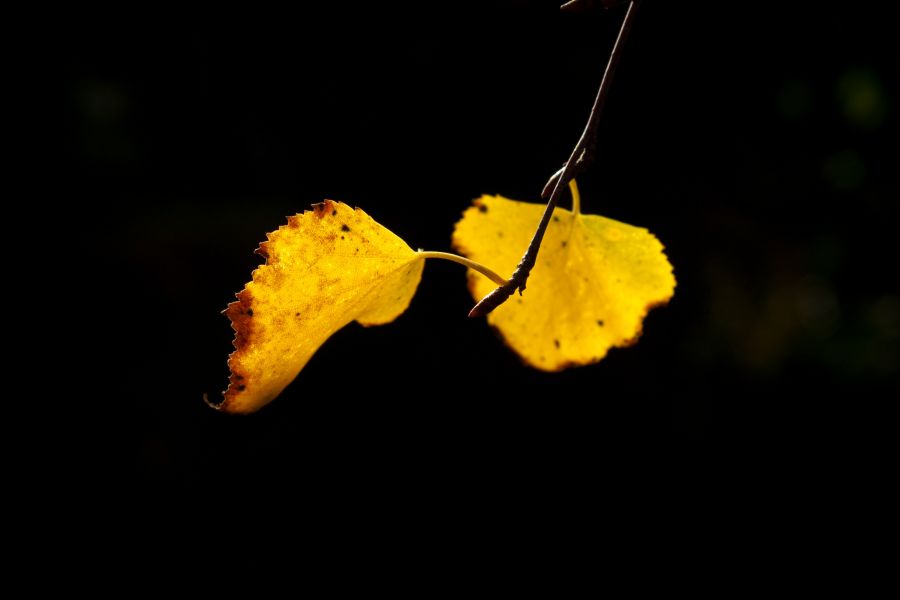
594	281
324	269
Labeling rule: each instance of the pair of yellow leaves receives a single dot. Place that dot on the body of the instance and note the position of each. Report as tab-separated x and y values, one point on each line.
594	282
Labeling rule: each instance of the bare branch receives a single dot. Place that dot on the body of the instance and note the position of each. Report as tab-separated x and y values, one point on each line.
581	156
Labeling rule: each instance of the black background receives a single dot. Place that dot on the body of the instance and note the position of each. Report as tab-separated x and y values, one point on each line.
753	139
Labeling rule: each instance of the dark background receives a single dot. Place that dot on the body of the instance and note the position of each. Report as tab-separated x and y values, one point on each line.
753	139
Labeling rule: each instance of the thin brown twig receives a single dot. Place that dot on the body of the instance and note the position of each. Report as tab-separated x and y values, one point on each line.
586	5
578	160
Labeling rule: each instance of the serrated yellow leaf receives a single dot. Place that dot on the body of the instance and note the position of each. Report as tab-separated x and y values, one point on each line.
325	268
594	281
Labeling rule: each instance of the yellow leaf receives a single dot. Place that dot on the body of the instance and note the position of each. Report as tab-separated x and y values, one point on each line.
324	269
594	281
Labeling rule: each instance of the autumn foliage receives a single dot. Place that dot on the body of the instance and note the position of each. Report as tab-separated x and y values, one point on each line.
594	283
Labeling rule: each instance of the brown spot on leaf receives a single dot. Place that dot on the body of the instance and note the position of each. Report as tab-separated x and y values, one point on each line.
323	208
242	321
632	340
236	384
483	208
344	227
653	305
600	323
334	213
568	364
241	314
556	343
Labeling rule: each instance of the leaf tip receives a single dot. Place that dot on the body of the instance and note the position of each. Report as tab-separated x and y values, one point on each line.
210	403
